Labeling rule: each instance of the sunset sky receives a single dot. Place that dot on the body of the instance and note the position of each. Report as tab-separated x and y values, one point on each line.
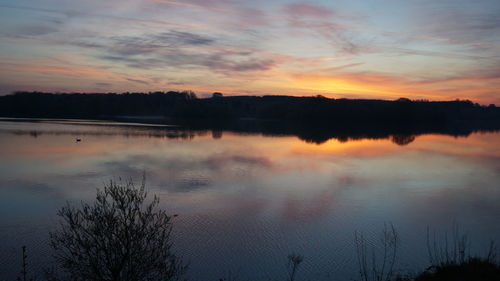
420	49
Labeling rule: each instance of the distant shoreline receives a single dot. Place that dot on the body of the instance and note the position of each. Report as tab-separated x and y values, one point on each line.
159	106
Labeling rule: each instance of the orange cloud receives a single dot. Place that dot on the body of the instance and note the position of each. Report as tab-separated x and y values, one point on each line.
392	86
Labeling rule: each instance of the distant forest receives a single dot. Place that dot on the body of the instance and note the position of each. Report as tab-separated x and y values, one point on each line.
186	106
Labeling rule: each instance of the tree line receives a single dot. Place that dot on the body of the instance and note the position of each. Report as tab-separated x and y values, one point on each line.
187	106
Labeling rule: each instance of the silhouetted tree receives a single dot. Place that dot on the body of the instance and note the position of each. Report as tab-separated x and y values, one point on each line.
190	95
403	100
119	237
217	95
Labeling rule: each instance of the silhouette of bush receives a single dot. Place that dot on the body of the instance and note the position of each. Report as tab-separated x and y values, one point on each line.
119	237
381	267
473	269
451	259
294	261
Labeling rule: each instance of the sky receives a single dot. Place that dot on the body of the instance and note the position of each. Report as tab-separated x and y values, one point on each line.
420	49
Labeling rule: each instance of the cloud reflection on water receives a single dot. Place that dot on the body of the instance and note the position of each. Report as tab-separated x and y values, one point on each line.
248	199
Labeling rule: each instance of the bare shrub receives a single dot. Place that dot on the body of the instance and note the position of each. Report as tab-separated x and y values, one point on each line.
119	237
371	266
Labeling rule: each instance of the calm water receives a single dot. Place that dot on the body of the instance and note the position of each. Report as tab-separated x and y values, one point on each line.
247	201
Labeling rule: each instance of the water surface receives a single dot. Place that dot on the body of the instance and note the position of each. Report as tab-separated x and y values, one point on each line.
246	201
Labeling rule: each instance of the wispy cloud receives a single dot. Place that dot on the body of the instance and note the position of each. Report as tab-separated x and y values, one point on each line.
459	21
307	10
431	49
184	50
138	81
213	5
218	62
150	43
74	13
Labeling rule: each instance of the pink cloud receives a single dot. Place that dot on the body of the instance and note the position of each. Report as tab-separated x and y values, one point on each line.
303	9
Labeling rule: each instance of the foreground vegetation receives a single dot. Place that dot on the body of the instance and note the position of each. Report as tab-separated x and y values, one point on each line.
124	237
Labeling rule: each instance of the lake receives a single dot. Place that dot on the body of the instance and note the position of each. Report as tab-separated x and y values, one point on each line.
247	200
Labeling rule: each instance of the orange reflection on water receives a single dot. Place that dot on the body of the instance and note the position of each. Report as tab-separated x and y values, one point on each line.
355	148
